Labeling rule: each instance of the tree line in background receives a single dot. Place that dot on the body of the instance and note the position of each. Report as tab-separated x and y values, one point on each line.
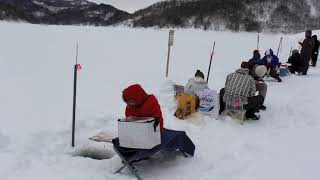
245	15
88	14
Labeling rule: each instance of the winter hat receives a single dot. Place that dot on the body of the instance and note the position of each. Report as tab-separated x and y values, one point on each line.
260	70
256	52
245	65
295	51
199	74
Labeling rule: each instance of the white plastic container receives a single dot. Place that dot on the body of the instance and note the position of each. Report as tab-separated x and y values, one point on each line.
139	133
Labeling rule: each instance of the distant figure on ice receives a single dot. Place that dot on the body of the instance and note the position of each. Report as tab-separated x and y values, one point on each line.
241	85
306	51
196	84
315	51
271	61
297	64
140	104
256	59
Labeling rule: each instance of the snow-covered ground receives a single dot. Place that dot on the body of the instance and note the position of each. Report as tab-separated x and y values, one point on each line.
36	75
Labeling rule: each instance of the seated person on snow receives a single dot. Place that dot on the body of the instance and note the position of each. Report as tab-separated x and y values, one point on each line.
188	102
140	104
196	84
271	61
297	64
242	85
258	72
256	59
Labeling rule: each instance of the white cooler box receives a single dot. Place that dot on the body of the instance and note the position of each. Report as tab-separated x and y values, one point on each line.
139	133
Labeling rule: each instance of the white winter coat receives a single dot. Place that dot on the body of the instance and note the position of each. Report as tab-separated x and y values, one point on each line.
195	85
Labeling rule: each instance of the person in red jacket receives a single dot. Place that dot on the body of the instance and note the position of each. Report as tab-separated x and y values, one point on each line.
140	104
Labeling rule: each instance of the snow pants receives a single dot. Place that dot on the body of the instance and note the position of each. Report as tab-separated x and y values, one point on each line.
254	104
273	73
314	59
262	88
305	67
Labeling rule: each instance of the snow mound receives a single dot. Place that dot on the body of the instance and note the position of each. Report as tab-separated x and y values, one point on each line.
97	151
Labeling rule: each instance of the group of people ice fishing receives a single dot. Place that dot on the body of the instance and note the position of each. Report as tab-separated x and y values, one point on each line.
244	93
246	85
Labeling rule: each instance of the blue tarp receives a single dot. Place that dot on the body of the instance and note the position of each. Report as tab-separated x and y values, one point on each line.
170	141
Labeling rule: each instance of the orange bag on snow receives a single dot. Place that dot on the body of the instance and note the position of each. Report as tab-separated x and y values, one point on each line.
187	105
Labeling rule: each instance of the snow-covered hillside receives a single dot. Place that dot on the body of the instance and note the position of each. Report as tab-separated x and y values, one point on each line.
36	75
127	5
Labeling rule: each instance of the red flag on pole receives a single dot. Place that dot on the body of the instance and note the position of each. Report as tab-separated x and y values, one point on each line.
79	67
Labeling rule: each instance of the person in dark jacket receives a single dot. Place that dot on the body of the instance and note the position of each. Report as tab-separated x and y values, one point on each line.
140	104
256	59
315	51
306	51
271	61
296	62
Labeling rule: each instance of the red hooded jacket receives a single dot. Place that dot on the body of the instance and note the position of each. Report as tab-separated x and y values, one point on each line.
147	105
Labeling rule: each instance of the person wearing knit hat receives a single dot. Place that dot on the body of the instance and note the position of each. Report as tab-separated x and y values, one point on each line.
258	72
242	86
199	74
196	84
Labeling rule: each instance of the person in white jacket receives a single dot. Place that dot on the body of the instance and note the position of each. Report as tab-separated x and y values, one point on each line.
196	84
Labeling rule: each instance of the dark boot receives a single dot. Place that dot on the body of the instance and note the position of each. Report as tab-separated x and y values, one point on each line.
278	79
253	117
263	107
222	104
291	69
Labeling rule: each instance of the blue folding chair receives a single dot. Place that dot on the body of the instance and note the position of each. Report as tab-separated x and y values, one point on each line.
170	141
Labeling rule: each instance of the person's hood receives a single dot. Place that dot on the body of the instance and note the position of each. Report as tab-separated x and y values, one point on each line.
315	37
135	93
242	71
269	52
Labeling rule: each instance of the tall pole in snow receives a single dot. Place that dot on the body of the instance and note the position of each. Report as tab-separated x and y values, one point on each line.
211	56
290	52
76	68
280	46
170	43
300	45
258	41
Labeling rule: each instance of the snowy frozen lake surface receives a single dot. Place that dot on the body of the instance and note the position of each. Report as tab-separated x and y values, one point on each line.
36	75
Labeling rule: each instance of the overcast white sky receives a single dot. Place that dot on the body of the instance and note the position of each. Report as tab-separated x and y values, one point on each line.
127	5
